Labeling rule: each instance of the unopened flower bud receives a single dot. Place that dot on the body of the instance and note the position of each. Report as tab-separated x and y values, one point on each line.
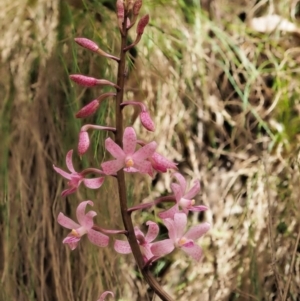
136	7
120	12
147	121
129	4
142	24
86	43
89	109
84	80
83	143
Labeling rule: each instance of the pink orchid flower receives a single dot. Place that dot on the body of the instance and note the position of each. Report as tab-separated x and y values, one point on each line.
184	200
144	242
84	227
76	178
103	295
177	238
133	161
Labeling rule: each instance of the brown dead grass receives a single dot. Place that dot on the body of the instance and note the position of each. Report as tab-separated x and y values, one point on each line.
202	123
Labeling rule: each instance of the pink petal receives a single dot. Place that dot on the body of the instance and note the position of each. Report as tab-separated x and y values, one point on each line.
146	251
103	295
87	223
169	223
181	180
147	121
139	235
198	208
131	169
145	152
153	231
114	149
83	142
197	231
193	191
71	241
122	247
80	212
66	221
62	172
180	221
111	167
94	183
162	247
89	109
195	251
177	191
98	238
144	167
169	213
69	161
68	191
129	141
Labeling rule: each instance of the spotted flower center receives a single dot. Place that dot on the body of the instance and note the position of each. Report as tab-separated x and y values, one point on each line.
79	232
129	162
182	241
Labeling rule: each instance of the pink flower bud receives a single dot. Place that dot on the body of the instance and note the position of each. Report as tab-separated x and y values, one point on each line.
142	24
86	43
89	109
147	121
136	7
83	143
120	10
84	80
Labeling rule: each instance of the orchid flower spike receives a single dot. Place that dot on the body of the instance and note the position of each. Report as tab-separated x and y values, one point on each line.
84	227
177	238
75	178
103	295
184	200
144	242
128	158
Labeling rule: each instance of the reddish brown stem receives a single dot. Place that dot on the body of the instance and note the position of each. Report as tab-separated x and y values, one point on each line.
168	198
126	216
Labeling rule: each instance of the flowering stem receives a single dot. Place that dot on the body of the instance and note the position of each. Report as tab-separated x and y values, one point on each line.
110	232
169	198
126	216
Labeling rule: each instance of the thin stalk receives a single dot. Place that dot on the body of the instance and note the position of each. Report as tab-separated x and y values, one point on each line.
126	216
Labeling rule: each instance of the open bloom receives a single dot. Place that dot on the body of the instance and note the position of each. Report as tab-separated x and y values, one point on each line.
76	178
177	238
133	161
84	227
145	242
103	295
184	200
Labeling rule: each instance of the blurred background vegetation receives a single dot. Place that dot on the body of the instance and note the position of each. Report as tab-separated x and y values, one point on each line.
223	84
